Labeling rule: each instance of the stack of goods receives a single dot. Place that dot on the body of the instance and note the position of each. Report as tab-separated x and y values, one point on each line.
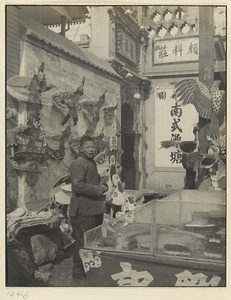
176	242
200	223
137	232
214	250
215	247
177	250
116	236
208	223
22	218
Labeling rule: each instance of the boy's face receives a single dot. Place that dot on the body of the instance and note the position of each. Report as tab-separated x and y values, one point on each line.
88	148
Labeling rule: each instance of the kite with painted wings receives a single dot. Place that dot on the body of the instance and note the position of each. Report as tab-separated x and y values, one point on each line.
192	91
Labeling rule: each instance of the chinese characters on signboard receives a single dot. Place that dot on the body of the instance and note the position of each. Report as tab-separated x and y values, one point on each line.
172	122
177	50
126	46
176	130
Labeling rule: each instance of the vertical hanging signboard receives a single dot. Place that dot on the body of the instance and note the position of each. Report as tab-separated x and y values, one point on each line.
172	123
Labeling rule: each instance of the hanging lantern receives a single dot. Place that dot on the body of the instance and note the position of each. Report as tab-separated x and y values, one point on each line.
137	94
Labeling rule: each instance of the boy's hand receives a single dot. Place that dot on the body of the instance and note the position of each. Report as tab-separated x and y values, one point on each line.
105	187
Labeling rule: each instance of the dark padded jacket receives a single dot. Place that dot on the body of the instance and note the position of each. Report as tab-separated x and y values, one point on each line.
87	195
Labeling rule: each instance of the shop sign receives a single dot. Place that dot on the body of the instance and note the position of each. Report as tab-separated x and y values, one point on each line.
131	277
126	46
186	278
176	50
172	123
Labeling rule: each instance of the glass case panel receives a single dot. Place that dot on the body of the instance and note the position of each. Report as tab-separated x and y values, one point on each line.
129	232
187	224
191	226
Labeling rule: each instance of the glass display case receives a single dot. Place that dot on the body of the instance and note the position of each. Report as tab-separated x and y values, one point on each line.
187	224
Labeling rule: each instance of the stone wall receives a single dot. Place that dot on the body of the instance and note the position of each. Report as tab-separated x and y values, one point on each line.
67	76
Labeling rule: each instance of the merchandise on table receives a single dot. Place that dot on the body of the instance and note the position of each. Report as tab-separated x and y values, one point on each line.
177	225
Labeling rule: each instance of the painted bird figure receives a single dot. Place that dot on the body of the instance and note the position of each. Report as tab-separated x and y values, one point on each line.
184	146
192	91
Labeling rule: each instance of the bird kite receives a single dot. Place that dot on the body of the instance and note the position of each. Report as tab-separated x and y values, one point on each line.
185	146
192	91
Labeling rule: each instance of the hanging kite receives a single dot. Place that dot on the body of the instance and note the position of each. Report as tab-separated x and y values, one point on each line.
32	155
184	146
192	91
69	102
109	113
109	170
64	137
72	104
36	89
194	157
38	85
91	112
56	143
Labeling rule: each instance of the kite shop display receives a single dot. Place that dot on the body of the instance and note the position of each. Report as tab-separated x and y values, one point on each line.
175	241
31	155
31	145
36	237
139	244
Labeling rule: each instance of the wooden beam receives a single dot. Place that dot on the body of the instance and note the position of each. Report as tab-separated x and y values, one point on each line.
63	25
206	69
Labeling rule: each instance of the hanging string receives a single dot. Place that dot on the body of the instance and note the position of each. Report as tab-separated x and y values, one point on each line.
76	31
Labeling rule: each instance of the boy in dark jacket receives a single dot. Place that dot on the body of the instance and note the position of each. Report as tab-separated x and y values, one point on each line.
87	204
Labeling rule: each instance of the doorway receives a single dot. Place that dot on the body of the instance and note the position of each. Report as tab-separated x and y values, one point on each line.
130	148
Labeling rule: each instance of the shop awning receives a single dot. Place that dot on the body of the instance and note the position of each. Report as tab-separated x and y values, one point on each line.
40	32
51	14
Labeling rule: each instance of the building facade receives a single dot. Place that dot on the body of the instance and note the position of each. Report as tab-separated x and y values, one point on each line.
173	54
67	68
153	48
137	54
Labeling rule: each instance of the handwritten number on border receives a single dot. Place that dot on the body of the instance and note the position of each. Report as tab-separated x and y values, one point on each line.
18	294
